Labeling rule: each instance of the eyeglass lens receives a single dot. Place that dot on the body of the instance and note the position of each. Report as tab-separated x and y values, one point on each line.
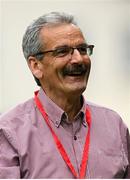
63	51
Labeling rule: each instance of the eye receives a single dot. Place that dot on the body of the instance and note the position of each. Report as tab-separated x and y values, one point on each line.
60	52
82	49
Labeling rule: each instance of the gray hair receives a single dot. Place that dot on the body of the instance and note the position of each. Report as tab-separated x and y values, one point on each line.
31	43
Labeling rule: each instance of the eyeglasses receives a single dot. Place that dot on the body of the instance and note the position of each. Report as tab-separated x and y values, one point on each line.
63	51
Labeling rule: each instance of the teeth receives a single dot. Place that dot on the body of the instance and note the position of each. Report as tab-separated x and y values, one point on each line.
75	74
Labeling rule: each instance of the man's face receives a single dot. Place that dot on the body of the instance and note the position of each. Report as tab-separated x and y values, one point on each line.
65	75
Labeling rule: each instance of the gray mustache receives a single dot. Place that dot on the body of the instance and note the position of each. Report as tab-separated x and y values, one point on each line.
75	69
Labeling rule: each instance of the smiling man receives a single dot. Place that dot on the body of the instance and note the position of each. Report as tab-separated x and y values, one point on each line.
58	134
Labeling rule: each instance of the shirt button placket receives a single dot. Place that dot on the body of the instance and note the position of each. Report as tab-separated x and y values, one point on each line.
75	137
57	124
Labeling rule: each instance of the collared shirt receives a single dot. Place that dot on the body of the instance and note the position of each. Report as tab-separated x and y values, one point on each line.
27	149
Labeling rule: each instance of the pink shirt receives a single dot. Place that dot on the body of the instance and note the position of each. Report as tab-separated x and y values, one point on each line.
27	149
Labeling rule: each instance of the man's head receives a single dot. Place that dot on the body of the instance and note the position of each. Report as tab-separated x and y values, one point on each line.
57	54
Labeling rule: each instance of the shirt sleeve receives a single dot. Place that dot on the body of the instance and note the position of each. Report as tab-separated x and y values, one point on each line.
128	150
9	161
126	144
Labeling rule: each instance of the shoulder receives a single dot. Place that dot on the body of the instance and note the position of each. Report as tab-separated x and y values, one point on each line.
106	116
109	128
102	110
17	115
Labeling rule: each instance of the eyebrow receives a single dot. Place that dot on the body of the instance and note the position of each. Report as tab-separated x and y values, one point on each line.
63	46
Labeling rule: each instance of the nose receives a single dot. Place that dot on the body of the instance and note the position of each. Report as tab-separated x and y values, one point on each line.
76	57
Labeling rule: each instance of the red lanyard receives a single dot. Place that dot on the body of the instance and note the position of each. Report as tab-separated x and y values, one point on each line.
60	147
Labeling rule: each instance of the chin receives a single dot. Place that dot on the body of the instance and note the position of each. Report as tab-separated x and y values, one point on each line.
76	90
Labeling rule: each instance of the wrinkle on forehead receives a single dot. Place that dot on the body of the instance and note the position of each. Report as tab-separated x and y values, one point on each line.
65	34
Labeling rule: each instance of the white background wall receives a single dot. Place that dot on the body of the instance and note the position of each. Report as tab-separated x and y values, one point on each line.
106	24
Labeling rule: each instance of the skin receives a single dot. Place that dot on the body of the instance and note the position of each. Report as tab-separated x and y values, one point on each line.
64	90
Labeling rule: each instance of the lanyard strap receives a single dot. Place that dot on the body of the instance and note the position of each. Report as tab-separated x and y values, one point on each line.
60	147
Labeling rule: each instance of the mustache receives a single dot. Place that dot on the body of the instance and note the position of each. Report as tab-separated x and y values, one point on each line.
75	69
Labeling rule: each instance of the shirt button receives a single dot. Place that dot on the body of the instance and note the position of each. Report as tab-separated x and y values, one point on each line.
75	138
57	123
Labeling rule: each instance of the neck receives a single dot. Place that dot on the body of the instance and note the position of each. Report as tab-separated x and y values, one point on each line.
70	104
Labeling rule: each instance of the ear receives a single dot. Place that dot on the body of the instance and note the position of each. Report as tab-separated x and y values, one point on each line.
36	67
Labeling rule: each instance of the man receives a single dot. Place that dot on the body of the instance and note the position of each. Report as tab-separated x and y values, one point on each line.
57	134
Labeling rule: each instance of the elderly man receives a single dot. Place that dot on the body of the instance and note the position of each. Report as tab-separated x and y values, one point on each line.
58	134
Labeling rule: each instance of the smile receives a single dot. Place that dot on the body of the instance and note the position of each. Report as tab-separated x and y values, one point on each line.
75	70
79	73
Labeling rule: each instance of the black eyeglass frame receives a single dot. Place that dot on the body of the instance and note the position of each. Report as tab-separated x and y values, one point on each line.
90	47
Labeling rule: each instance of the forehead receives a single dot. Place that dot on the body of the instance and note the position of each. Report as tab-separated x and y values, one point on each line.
65	34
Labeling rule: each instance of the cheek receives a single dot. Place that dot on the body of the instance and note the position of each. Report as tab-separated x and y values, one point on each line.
87	60
57	67
50	73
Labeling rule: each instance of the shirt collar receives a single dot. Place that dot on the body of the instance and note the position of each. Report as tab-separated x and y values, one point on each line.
55	113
